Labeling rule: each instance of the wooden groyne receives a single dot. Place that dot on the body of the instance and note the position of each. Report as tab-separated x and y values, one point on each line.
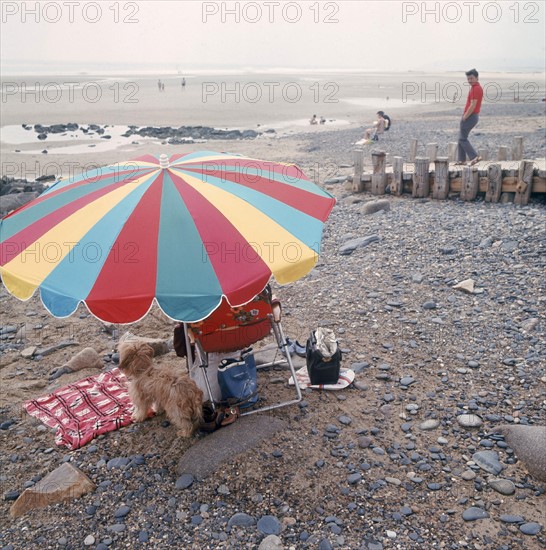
422	176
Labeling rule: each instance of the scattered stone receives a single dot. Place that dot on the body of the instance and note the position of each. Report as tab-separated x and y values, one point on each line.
530	528
350	246
51	349
27	353
118	462
271	542
502	486
488	461
474	513
184	481
469	420
509	518
430	424
364	442
240	519
269	525
353	479
466	286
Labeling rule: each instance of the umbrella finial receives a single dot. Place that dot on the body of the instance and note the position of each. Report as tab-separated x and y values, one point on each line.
163	161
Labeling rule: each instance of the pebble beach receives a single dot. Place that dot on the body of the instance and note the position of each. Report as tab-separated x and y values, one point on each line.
411	455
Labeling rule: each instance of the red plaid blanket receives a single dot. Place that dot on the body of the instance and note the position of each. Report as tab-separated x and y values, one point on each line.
85	409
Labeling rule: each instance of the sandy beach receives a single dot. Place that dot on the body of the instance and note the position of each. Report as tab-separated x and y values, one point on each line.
386	463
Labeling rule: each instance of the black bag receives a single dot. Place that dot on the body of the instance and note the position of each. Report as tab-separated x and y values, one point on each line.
321	371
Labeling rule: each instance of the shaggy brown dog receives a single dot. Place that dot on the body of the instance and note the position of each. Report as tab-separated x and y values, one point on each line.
160	387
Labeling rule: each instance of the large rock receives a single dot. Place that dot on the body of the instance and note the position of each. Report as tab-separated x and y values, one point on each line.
529	444
376	206
15	200
63	484
160	347
223	445
87	358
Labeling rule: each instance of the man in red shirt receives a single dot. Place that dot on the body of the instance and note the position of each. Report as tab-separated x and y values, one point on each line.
470	119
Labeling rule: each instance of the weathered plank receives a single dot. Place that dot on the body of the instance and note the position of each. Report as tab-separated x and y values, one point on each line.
470	183
517	148
524	185
503	153
421	185
452	151
431	151
494	185
440	188
413	150
379	178
358	156
397	184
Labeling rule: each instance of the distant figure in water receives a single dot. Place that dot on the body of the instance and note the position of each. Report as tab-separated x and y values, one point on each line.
313	120
322	120
159	84
183	83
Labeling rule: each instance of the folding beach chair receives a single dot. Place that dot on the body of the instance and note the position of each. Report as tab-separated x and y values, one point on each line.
229	330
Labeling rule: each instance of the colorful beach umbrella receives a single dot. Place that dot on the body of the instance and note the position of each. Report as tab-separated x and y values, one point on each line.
184	231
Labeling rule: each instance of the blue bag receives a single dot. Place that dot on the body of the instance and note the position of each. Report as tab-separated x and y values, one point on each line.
238	381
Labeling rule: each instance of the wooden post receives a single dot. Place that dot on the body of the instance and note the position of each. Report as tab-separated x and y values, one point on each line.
525	183
517	148
452	151
413	150
483	152
358	186
397	185
494	183
503	153
421	186
431	151
469	185
440	189
379	178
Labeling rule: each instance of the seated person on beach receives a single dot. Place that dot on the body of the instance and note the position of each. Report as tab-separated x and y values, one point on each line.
313	120
387	120
377	129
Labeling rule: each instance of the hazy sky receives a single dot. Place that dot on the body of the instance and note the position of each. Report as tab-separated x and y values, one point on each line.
186	35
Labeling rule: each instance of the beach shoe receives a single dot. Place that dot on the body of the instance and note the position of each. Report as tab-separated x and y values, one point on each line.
475	161
289	347
301	351
460	163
